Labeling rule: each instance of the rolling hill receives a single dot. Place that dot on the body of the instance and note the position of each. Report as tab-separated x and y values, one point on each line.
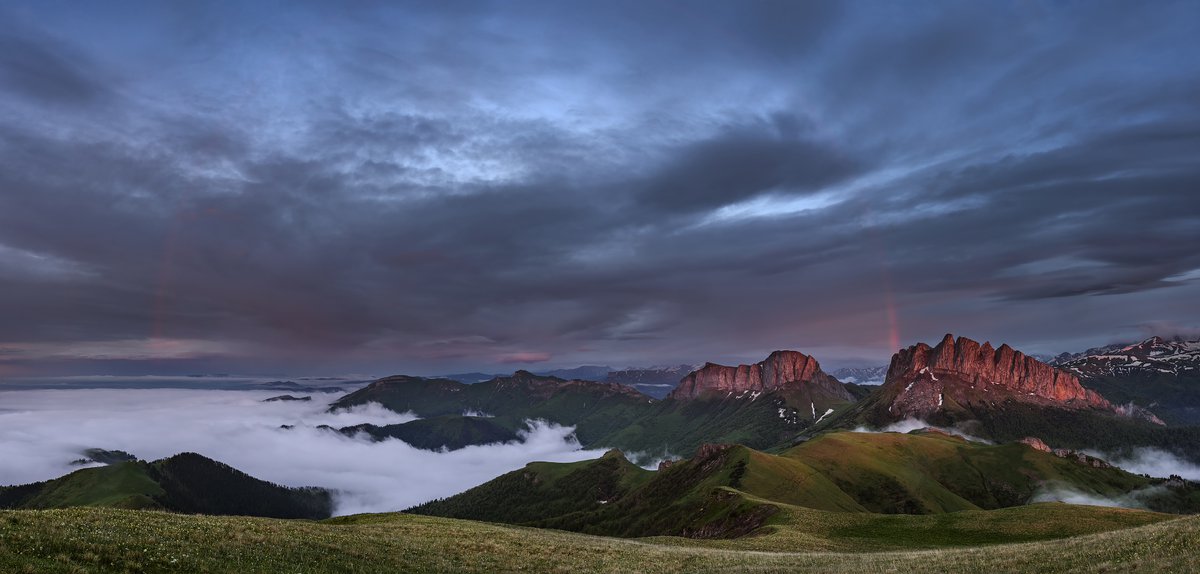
727	491
186	482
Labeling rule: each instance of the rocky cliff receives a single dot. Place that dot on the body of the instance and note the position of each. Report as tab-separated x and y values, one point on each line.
781	369
1002	371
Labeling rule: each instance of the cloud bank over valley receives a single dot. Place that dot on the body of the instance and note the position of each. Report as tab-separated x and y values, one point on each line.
41	431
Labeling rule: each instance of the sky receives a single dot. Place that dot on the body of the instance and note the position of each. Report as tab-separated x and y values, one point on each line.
361	187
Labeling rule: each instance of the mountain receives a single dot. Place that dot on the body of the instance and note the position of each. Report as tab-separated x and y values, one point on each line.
921	379
187	482
861	375
656	382
780	370
729	490
1157	374
761	405
1003	395
594	409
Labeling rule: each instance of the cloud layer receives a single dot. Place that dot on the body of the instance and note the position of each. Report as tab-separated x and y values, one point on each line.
423	188
42	431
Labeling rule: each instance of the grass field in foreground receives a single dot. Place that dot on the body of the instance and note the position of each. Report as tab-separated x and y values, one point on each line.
110	540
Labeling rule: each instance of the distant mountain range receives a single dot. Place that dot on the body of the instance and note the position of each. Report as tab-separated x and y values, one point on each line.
1161	375
585	372
654	382
861	375
1176	356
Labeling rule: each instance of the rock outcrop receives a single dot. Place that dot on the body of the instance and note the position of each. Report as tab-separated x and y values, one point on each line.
781	369
1036	443
1072	455
1001	371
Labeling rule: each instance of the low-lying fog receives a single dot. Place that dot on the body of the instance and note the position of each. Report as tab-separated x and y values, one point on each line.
41	431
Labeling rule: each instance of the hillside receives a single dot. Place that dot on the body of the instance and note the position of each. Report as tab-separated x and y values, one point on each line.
728	491
1044	538
678	427
186	482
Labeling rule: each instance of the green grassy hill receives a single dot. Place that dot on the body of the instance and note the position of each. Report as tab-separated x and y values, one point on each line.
185	482
679	427
121	485
1050	538
728	491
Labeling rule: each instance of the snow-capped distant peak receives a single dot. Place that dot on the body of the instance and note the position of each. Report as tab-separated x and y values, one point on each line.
1153	356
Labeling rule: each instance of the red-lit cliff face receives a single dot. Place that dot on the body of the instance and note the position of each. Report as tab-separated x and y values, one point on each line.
781	369
962	370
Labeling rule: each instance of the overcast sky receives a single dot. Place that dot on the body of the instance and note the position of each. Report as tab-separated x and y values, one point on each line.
287	187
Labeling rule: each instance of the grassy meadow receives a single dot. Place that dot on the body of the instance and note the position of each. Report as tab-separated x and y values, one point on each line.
801	540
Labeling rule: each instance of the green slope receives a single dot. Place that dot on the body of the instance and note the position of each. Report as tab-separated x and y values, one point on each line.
728	491
933	473
121	485
679	427
185	482
106	540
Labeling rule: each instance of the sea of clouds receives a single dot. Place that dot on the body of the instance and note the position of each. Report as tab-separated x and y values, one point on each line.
41	431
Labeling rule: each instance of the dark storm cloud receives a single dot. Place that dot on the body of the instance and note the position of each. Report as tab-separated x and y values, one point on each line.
743	162
45	70
473	185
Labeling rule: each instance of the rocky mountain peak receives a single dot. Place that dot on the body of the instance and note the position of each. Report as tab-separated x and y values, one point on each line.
970	371
779	369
